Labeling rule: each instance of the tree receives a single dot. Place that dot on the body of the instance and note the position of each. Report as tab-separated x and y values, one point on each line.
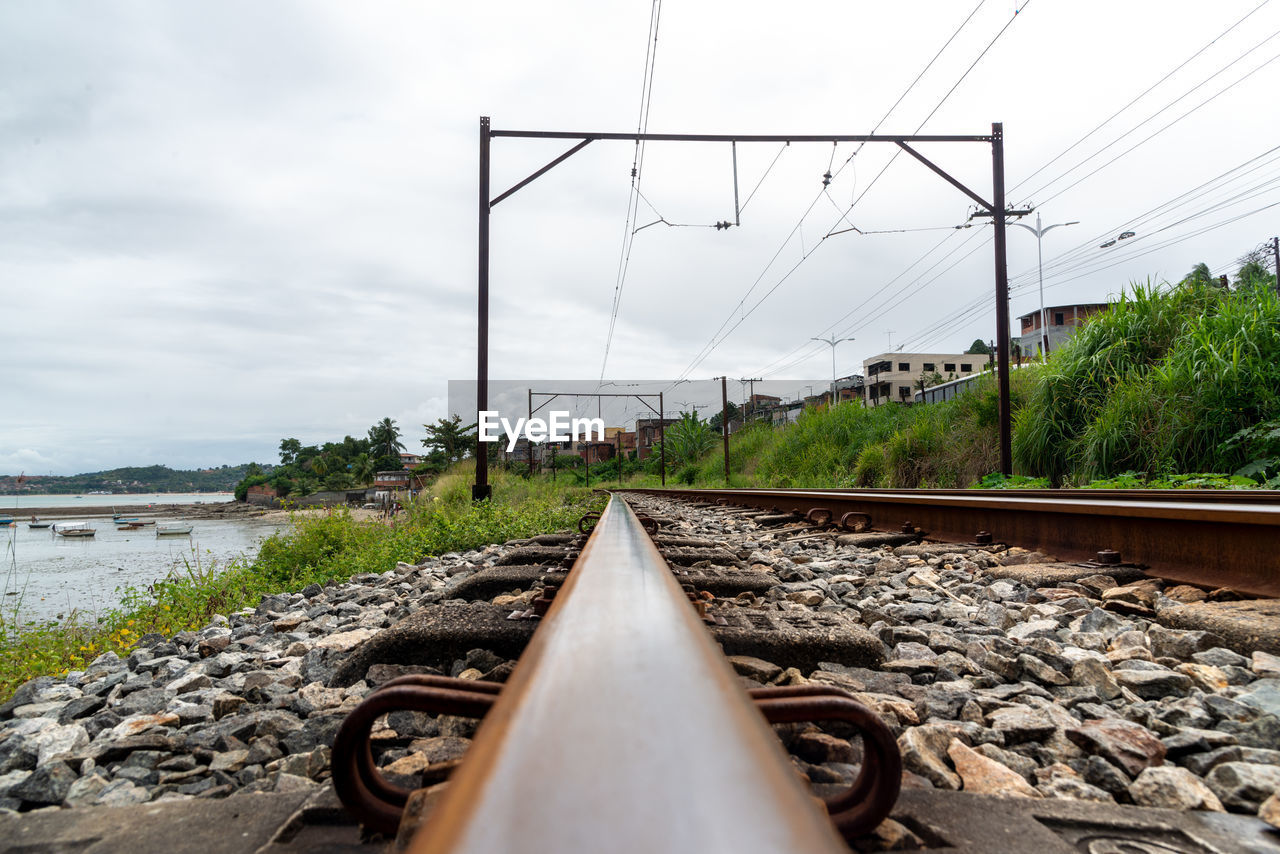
362	468
688	439
979	346
714	421
384	439
1199	275
449	437
927	380
1253	270
289	449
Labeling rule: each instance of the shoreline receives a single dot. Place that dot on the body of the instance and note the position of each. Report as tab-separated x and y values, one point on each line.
220	510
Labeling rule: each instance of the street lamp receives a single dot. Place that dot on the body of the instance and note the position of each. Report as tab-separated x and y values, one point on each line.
1039	231
833	342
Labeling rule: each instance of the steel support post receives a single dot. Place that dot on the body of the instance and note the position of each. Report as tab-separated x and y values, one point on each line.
662	439
480	489
724	423
1002	297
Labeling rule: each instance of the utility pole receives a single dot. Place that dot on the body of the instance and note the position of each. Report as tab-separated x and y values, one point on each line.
662	439
751	383
1275	249
530	437
1039	232
481	490
833	341
724	423
999	214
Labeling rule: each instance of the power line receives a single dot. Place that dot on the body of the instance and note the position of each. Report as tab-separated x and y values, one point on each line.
1152	116
1145	92
717	338
637	170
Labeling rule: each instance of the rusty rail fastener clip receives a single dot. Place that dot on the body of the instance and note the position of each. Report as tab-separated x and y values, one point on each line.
378	804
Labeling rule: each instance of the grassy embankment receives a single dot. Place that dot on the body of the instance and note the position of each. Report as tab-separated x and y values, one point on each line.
1168	385
333	546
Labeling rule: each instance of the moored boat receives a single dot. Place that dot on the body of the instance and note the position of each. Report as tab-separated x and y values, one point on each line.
74	529
164	529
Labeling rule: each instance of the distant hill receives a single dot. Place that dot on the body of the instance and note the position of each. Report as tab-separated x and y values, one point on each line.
130	479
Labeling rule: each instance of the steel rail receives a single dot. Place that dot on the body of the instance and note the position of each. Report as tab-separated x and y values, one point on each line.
623	728
1219	541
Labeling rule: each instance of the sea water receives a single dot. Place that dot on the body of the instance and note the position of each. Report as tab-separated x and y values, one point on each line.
48	577
10	504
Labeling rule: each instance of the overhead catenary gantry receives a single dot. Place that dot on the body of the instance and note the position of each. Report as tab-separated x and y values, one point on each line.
994	209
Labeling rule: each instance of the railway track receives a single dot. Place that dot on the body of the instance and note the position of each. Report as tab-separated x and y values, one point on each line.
989	698
727	671
1202	537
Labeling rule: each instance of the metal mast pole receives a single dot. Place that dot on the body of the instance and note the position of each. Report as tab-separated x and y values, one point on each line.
480	489
662	439
1044	318
1002	297
724	423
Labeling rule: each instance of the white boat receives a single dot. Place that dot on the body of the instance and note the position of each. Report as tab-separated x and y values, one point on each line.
74	529
172	528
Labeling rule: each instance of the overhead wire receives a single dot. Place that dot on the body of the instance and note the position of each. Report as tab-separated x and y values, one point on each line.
637	171
1135	100
717	337
1164	128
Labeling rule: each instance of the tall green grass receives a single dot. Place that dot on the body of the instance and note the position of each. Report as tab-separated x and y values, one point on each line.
1158	384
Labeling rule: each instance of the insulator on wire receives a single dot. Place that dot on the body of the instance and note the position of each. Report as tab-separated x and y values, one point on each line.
826	179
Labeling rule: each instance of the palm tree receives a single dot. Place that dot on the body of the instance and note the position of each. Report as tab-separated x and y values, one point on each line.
384	439
362	468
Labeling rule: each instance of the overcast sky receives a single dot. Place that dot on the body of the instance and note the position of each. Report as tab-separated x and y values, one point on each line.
222	224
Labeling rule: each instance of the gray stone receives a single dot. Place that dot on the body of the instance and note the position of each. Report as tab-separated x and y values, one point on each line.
25	695
1098	620
1090	672
48	784
1153	685
1243	786
1041	672
80	708
56	740
1171	787
1074	789
924	751
85	790
756	669
1034	629
1220	657
1127	745
1019	724
1263	695
1180	643
1101	773
122	793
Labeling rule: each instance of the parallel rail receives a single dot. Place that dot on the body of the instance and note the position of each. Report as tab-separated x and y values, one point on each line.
1203	537
622	728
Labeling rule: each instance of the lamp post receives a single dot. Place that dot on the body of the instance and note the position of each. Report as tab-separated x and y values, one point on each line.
1039	231
832	342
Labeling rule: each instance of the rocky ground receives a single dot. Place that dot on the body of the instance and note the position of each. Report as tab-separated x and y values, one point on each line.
995	680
